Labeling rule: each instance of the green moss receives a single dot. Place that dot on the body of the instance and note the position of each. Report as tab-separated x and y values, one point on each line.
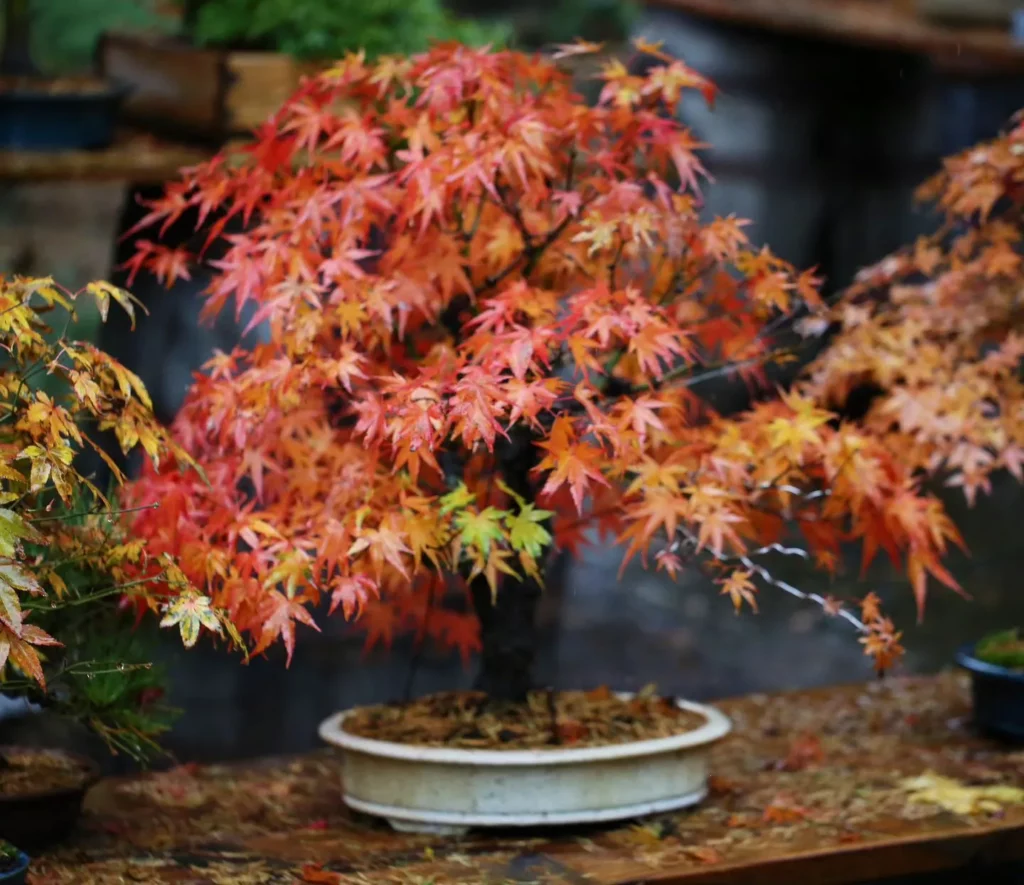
1004	649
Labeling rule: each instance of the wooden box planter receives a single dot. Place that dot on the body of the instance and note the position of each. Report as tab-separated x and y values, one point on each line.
189	92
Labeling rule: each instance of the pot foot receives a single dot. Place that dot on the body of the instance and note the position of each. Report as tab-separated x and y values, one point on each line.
423	828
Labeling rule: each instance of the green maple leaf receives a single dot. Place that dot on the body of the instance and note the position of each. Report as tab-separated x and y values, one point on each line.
481	529
457	499
13	529
526	533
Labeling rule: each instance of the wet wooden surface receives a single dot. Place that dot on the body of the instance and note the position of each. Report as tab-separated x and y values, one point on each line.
134	157
884	24
811	788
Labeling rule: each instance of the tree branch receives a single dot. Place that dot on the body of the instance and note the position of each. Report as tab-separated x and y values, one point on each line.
766	576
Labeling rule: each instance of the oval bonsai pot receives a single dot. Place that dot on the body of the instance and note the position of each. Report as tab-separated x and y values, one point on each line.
36	821
17	873
58	115
998	694
449	789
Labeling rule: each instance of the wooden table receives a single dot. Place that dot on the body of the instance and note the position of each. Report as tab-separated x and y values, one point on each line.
883	24
133	157
810	788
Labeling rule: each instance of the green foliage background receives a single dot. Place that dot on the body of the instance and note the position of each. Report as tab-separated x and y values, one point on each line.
65	32
321	29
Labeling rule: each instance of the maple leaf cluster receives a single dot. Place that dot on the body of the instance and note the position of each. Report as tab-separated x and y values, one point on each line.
64	557
489	307
934	331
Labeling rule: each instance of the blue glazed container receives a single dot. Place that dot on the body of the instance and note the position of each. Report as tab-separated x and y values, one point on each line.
34	119
18	874
998	694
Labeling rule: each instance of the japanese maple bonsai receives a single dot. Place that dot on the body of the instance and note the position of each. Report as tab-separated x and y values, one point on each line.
490	310
65	640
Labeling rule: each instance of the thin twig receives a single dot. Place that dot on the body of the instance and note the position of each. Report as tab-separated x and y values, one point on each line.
768	578
153	506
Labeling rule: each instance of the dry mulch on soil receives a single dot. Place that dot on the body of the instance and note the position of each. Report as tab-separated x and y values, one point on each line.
548	719
810	771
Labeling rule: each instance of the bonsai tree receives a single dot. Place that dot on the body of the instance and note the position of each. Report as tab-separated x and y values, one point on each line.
316	30
66	562
491	311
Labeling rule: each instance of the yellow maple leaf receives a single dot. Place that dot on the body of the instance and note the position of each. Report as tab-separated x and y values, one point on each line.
958	798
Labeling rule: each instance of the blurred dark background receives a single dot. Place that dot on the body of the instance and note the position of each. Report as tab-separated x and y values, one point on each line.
821	144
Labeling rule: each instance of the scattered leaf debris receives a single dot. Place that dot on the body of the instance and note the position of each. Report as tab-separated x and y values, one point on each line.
571	718
898	758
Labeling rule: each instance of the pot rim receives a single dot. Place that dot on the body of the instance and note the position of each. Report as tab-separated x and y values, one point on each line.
116	90
91	776
717	726
23	862
966	659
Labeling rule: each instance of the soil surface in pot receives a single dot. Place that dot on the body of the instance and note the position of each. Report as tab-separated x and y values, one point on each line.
25	772
468	720
1002	649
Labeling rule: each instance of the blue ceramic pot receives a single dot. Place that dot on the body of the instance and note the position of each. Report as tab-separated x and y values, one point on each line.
17	874
32	119
998	694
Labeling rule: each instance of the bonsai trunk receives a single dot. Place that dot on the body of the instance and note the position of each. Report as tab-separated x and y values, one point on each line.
508	634
16	57
508	619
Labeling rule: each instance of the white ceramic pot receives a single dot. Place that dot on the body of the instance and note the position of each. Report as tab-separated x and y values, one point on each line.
449	790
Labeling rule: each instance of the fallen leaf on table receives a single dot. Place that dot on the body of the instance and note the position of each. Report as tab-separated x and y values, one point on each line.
783	814
805	751
643	835
721	786
317	875
958	798
703	854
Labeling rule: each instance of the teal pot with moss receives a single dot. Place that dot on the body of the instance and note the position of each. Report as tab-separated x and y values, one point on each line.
13	865
996	665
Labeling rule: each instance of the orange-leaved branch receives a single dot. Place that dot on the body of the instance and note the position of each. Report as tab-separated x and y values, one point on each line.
933	334
489	309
